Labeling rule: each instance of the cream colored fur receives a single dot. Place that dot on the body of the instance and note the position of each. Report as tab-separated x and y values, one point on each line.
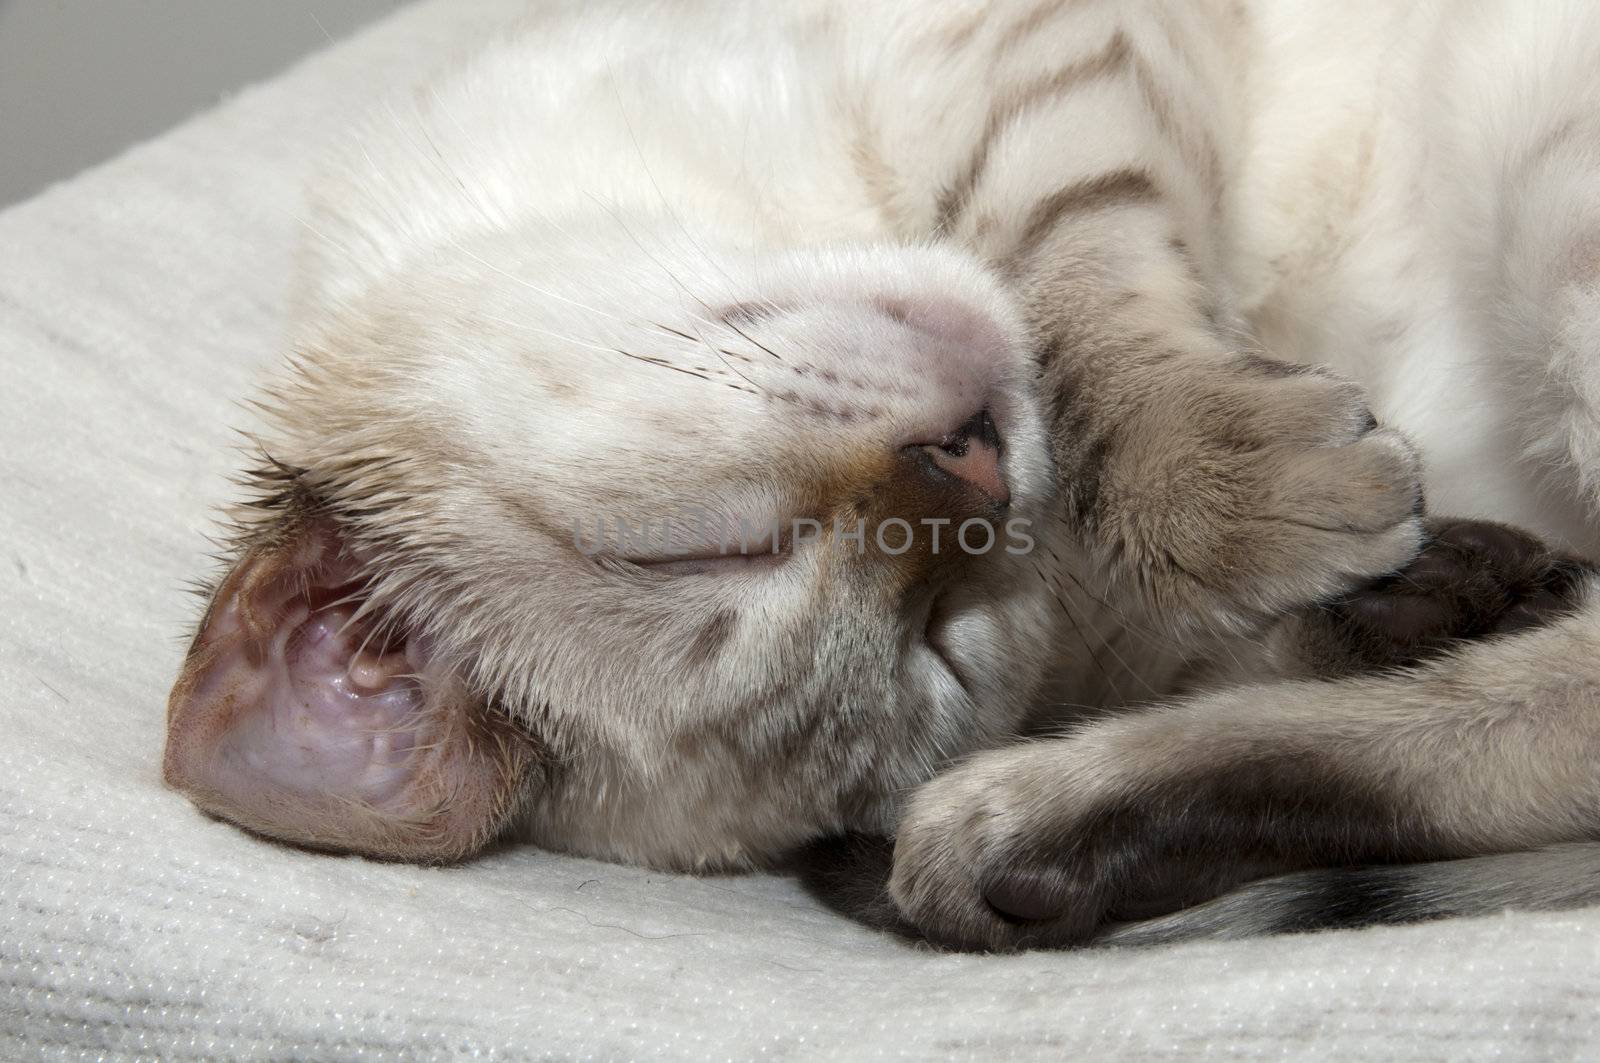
514	314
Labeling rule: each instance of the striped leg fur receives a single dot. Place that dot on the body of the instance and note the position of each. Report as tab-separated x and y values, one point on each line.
1490	748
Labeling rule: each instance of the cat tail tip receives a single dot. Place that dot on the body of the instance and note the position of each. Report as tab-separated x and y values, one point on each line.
1555	878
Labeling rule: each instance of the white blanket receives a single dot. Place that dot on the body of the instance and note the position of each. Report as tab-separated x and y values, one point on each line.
137	303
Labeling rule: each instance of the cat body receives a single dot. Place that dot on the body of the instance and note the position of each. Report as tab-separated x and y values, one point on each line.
839	265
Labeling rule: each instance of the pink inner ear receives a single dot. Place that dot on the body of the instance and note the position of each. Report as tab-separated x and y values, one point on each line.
294	720
336	718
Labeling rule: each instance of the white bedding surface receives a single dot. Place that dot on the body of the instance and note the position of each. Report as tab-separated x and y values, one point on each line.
137	303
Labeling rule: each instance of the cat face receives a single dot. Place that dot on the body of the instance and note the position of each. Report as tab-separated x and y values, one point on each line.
673	554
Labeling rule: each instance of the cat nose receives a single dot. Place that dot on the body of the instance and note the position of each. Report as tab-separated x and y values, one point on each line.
968	457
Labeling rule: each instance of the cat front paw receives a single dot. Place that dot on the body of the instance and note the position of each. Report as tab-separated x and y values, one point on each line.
1016	848
1011	850
1248	487
1053	843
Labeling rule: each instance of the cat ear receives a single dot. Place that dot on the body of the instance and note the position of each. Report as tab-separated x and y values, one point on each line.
298	719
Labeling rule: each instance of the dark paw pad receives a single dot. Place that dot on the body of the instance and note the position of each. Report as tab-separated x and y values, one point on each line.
1026	895
1472	580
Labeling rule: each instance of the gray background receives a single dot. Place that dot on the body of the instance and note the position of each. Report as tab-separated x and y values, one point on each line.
82	79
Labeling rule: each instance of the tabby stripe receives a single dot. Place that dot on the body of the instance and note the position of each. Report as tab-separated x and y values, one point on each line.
1552	143
1181	40
1090	473
1081	448
1019	102
1033	21
879	179
1117	188
956	36
710	640
1199	150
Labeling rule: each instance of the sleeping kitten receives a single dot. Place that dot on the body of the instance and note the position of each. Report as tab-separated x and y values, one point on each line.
1094	278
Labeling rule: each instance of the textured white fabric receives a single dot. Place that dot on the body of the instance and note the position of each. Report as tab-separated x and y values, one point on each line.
136	304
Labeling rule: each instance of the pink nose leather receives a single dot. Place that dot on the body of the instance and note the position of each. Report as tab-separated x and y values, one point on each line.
979	466
972	455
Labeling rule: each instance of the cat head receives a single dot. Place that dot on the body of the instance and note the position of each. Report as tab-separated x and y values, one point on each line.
666	552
